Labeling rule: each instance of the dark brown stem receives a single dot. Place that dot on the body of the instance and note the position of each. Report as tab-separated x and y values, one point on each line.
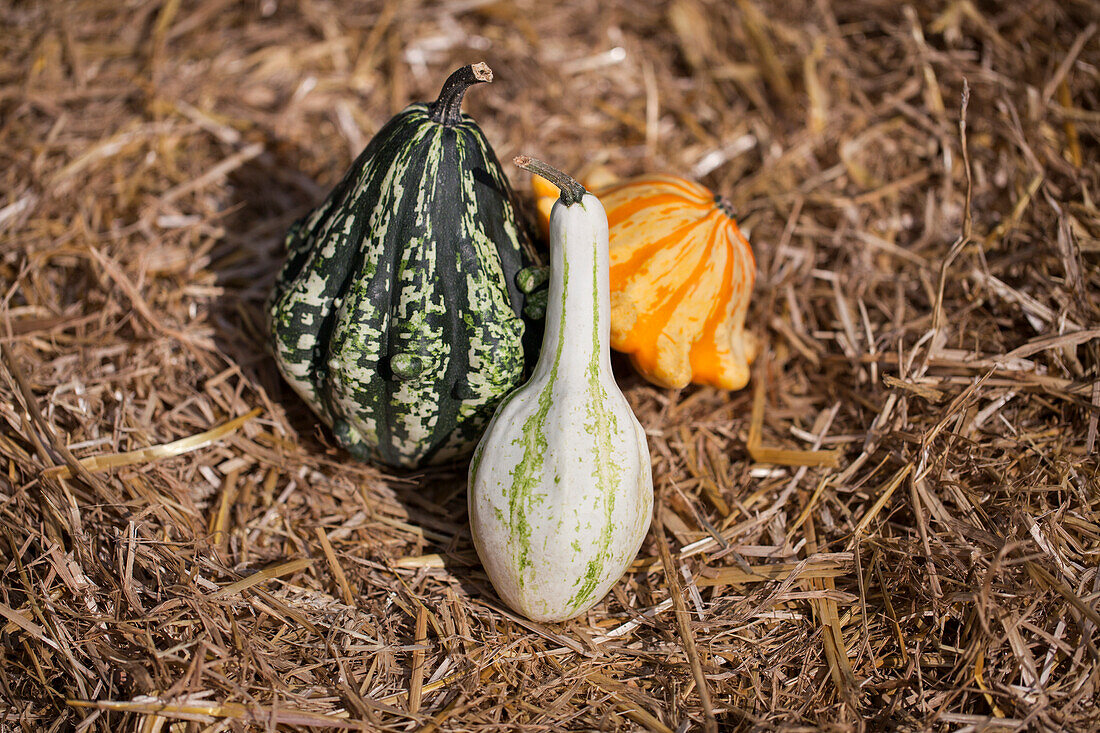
724	205
447	109
571	190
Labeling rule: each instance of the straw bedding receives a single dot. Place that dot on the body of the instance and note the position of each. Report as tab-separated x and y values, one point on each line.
896	526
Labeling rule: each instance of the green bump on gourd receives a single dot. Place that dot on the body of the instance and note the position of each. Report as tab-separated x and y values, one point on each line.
407	366
530	278
535	309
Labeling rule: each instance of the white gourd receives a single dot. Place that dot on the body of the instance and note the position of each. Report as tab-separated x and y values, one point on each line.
560	489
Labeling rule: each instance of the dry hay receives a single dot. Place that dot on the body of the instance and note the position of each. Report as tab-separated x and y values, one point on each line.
942	575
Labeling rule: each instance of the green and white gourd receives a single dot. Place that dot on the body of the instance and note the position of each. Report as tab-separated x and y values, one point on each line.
560	488
397	316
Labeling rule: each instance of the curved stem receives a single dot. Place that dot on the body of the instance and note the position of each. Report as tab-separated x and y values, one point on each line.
571	190
447	109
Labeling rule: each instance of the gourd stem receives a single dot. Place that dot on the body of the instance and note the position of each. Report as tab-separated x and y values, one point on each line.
447	109
724	205
571	190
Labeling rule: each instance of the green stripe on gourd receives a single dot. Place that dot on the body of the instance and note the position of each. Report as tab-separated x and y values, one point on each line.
560	492
607	473
397	316
533	440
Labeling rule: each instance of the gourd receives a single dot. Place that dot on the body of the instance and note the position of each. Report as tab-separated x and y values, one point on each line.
397	316
681	278
560	490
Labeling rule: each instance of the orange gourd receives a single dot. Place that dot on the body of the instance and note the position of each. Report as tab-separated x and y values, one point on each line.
681	277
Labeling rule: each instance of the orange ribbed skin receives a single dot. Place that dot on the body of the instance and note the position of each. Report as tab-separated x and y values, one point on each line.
681	279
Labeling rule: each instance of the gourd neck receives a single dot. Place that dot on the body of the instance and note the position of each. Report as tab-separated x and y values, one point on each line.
578	307
578	311
447	109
